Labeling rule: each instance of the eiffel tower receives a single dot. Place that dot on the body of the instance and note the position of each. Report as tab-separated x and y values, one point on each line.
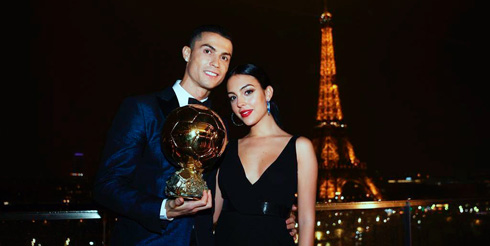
341	176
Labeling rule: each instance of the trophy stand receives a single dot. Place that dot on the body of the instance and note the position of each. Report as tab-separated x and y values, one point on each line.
186	182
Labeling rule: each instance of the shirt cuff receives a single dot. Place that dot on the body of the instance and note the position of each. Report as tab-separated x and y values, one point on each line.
163	211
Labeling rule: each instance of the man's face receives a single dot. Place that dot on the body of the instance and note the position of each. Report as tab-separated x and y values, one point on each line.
208	61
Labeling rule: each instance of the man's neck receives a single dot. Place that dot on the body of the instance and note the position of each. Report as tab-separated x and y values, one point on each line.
183	95
197	92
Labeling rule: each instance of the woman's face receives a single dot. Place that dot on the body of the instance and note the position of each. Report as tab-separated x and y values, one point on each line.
247	98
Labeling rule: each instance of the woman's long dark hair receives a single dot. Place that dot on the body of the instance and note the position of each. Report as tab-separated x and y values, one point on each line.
260	75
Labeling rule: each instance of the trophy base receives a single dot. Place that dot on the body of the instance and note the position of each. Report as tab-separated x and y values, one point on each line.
186	183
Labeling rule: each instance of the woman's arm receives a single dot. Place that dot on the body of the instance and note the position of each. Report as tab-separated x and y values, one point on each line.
218	201
307	176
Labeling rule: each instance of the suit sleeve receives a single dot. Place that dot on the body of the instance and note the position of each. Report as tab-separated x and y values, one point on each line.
114	187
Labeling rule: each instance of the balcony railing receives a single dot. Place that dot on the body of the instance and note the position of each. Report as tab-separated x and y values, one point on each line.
402	222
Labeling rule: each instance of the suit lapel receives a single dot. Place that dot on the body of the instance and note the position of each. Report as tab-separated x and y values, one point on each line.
167	101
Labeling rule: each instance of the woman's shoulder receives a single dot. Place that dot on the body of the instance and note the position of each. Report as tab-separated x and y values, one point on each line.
302	140
305	152
303	143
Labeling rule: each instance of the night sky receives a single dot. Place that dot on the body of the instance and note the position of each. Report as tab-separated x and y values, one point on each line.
409	74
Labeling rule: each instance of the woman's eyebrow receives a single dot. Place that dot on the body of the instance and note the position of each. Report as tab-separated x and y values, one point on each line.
245	86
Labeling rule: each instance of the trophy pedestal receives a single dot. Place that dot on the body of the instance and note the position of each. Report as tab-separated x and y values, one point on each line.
187	183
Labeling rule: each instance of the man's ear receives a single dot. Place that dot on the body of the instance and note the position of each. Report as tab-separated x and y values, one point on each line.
186	53
269	92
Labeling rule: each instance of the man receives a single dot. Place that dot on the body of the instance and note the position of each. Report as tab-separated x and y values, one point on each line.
131	180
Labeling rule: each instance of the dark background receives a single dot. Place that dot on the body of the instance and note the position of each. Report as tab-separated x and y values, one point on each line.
410	75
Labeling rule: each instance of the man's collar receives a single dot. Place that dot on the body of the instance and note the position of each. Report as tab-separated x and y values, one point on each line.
182	94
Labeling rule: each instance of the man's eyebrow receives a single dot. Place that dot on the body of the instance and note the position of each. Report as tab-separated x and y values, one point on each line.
209	46
214	49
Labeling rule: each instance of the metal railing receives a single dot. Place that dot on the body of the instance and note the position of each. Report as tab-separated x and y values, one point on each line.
51	215
400	222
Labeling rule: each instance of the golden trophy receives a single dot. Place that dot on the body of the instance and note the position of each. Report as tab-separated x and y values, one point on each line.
193	138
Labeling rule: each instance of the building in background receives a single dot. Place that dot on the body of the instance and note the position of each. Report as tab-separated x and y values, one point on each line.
341	175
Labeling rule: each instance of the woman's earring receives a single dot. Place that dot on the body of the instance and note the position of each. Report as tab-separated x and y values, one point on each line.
232	120
269	107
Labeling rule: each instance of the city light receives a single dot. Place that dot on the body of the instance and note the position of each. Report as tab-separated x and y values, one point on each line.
318	235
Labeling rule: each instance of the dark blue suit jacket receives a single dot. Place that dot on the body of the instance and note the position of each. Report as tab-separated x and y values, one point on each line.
132	177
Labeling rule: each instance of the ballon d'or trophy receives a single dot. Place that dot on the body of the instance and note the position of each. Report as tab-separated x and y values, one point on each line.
193	138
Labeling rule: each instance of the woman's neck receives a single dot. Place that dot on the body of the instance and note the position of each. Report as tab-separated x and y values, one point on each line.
267	126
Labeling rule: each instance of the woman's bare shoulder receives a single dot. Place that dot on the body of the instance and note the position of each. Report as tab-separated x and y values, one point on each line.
304	143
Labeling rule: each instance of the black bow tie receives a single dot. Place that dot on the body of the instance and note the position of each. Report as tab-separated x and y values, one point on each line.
195	101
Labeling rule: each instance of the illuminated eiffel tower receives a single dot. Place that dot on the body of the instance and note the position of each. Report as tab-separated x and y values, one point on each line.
341	176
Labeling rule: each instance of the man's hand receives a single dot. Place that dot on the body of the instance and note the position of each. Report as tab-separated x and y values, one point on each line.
178	207
291	222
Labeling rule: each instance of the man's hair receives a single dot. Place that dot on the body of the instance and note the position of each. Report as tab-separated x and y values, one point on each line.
197	32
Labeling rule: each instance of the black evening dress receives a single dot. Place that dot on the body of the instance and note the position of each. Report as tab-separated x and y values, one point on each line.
255	214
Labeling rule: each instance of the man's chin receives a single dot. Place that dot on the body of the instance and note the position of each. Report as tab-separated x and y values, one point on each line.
213	84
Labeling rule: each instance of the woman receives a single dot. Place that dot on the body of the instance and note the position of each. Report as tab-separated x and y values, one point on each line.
262	172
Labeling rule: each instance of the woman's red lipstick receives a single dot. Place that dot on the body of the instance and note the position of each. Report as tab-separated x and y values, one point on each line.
246	113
